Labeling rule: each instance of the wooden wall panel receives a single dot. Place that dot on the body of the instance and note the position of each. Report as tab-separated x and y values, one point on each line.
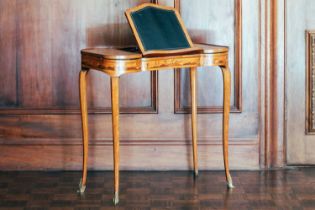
50	130
222	27
45	40
34	53
300	142
111	29
158	157
65	41
8	85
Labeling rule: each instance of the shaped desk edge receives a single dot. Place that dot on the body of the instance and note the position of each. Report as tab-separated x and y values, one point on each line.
117	61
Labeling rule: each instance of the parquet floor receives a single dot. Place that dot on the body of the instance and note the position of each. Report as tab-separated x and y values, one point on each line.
276	189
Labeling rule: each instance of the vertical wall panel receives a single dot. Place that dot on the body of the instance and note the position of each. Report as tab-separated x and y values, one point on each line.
300	143
42	44
8	91
111	29
221	26
67	39
34	53
215	28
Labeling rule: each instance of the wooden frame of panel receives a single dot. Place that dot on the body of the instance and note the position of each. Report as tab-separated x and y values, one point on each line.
237	106
310	77
153	109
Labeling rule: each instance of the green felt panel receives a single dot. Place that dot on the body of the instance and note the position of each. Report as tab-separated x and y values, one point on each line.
159	29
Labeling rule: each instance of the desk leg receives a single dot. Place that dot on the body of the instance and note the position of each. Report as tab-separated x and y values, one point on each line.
226	114
85	131
194	117
115	124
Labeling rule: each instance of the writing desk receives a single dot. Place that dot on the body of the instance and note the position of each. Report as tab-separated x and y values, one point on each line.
117	62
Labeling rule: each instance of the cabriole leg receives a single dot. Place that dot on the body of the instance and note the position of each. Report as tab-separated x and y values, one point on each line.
85	131
226	114
115	124
194	117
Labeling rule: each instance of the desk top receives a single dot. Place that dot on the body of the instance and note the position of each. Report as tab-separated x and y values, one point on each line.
128	53
119	61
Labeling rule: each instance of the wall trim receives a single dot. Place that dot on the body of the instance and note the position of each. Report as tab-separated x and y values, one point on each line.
272	96
127	142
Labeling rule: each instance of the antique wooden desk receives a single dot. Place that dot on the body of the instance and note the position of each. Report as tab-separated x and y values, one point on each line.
116	62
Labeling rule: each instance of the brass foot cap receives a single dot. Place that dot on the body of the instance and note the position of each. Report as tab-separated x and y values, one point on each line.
230	185
82	188
116	198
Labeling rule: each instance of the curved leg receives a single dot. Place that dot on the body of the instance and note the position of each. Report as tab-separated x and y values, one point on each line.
194	117
226	112
115	124
85	131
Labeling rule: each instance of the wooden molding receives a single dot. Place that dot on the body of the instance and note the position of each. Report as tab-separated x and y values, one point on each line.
310	79
237	105
272	70
128	142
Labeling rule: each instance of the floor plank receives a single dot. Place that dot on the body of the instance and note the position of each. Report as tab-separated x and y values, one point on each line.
276	189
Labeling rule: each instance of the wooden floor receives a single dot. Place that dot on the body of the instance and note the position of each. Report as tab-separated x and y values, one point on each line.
278	189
